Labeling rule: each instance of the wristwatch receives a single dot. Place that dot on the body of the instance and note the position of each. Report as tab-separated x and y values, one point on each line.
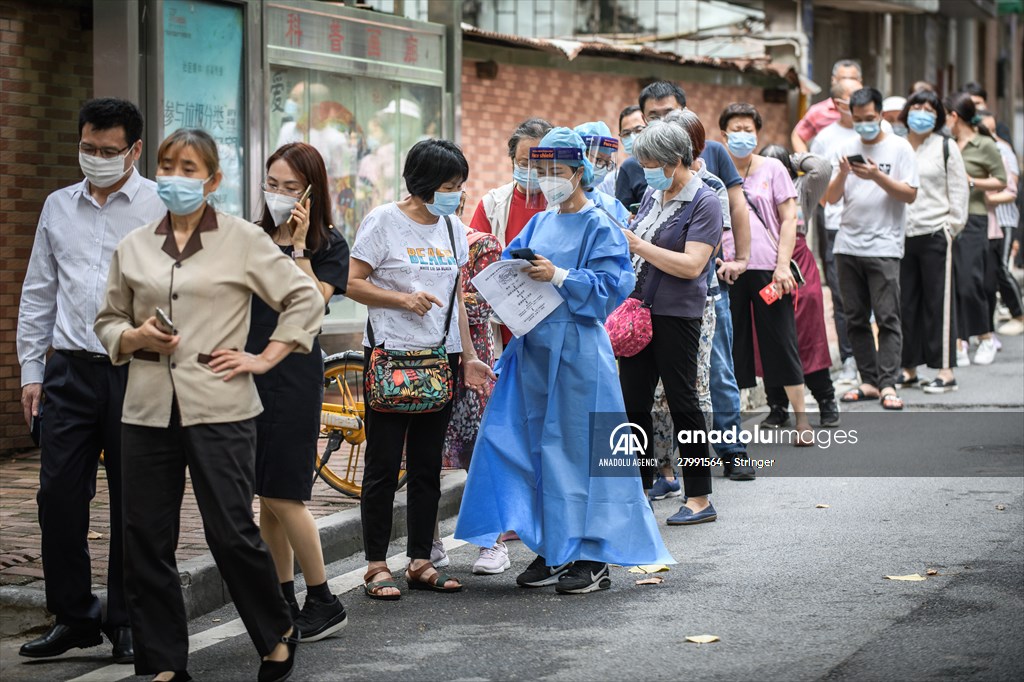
970	181
300	253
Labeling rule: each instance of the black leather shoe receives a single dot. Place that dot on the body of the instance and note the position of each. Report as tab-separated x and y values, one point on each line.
179	676
828	411
121	638
60	639
279	671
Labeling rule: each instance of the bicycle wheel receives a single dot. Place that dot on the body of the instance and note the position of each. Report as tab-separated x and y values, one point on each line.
340	464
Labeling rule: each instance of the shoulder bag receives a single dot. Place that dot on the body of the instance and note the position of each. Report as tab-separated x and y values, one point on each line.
412	381
794	267
629	325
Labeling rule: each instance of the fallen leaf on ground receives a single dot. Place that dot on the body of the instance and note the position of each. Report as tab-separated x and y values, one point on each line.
216	620
821	506
913	577
653	580
702	639
93	535
1000	507
932	571
649	568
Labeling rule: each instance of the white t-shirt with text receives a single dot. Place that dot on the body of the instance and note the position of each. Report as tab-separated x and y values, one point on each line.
407	256
872	223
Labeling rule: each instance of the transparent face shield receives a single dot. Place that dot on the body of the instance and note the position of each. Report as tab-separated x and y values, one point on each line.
525	180
557	170
601	152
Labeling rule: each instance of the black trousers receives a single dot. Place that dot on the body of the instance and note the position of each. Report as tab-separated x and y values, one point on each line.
672	357
1005	282
873	283
81	417
819	382
828	260
776	333
926	301
972	274
221	463
421	438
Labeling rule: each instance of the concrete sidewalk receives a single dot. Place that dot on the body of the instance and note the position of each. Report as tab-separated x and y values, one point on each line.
22	600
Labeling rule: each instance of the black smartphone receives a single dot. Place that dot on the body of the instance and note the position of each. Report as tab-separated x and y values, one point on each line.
856	158
633	208
523	254
164	322
35	430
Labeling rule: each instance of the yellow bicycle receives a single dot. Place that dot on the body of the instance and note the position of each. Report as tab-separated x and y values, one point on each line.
342	425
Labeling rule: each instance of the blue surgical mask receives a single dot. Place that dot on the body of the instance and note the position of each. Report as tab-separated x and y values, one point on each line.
900	129
291	108
868	130
741	144
657	179
627	145
921	121
526	179
444	203
599	175
181	195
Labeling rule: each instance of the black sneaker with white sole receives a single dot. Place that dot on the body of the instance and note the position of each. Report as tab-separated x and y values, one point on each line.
319	619
584	577
539	574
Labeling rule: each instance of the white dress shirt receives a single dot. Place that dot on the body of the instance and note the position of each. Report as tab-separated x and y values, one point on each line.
67	273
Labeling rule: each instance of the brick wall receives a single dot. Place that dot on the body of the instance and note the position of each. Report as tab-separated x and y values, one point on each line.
491	110
45	75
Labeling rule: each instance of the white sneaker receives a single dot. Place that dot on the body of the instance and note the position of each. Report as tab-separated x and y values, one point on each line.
962	358
986	352
438	556
848	374
1014	327
1002	312
492	560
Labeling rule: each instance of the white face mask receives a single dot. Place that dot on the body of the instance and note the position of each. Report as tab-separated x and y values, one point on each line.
280	206
555	189
102	172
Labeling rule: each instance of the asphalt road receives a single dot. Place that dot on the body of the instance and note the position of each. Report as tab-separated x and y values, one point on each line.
794	592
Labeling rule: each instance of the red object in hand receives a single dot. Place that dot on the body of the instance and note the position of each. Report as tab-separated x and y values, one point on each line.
769	294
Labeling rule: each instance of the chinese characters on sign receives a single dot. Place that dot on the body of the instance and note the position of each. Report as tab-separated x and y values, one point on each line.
203	85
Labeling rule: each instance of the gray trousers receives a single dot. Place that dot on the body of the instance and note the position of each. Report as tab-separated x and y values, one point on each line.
870	283
221	462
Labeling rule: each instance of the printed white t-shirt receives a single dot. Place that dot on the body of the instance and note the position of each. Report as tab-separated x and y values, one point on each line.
407	256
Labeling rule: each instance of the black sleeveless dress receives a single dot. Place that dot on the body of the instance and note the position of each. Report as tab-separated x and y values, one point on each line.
292	392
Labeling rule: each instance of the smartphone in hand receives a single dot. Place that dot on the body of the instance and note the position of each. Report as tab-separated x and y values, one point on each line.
523	254
163	322
857	158
302	200
769	294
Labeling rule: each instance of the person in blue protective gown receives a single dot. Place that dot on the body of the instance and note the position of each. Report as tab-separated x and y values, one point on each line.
600	150
534	469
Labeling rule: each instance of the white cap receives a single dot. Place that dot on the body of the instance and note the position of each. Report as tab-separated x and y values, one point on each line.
893	103
405	107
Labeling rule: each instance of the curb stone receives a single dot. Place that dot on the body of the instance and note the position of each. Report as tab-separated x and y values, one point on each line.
24	608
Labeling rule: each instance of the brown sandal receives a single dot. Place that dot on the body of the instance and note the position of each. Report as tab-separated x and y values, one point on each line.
373	590
435	582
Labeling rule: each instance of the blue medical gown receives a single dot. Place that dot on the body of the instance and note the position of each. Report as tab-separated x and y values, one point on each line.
610	204
531	469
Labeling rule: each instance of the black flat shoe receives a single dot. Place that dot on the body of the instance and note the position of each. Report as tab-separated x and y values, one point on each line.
279	671
60	639
179	676
121	638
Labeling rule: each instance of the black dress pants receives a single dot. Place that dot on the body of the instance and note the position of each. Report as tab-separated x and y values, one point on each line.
81	416
873	284
672	357
221	462
421	438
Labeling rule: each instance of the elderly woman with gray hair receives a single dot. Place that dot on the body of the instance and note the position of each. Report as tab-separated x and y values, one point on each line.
671	240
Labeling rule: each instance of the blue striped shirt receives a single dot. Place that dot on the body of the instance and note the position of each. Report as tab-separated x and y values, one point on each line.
67	272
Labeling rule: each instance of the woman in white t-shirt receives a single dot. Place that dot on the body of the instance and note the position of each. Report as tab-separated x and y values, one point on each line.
404	268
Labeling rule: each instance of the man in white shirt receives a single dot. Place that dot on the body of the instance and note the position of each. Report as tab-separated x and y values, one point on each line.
78	389
876	178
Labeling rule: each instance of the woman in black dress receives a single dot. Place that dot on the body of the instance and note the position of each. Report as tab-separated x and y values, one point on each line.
292	393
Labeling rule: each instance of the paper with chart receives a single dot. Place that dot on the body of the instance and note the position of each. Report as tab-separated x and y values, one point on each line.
519	301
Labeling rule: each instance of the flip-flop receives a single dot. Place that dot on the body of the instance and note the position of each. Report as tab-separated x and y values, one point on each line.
891	401
857	395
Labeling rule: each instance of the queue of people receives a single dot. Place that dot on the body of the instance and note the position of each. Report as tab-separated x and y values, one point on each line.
189	338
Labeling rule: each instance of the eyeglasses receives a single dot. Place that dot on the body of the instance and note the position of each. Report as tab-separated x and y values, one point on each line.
102	152
630	132
274	189
604	164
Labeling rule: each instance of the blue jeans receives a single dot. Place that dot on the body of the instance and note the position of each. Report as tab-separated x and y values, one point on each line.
725	394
